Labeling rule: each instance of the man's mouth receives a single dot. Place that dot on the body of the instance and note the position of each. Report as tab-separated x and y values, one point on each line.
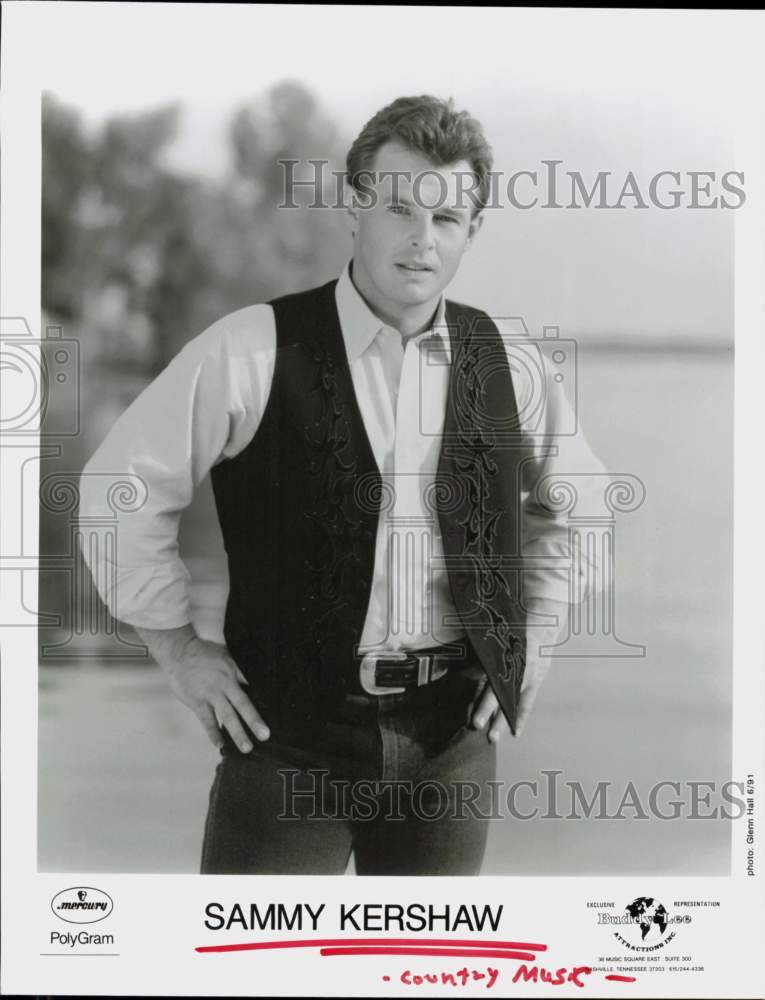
414	268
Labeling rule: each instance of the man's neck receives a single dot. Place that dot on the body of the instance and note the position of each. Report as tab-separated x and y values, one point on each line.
410	321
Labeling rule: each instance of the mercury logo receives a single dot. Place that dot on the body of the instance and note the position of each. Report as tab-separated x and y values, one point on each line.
82	905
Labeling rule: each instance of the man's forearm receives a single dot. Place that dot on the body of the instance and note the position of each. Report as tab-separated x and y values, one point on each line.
548	634
166	644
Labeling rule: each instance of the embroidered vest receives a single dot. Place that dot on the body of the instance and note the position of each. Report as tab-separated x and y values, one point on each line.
299	507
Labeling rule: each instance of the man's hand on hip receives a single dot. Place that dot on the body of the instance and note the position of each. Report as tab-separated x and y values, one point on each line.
206	679
487	709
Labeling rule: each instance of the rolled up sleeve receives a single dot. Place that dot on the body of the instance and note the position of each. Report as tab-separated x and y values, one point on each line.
205	406
559	464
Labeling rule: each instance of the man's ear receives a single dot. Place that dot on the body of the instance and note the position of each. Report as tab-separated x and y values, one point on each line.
351	202
474	228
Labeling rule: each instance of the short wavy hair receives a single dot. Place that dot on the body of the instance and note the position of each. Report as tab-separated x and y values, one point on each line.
432	127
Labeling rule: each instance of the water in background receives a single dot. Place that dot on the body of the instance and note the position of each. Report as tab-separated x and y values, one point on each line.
125	769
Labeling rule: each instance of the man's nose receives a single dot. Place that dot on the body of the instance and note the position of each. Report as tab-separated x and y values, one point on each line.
423	235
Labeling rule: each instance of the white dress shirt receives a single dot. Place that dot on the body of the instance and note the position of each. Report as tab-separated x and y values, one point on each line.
206	407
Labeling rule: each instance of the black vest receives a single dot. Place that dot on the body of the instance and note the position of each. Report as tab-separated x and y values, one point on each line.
299	507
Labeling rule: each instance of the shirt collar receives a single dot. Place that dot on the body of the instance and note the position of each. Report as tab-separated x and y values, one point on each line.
359	324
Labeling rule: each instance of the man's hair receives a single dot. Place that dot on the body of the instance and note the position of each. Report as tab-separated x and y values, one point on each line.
432	127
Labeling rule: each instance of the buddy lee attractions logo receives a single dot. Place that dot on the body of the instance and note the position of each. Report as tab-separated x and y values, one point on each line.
643	925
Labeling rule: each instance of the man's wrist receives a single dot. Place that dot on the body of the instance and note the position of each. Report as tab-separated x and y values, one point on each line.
549	607
167	643
546	623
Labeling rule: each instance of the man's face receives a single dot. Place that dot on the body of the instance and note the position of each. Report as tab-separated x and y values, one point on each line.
409	243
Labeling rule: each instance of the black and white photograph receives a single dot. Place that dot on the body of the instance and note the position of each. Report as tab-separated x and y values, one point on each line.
379	406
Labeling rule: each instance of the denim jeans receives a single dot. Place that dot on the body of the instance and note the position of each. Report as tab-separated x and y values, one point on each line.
400	781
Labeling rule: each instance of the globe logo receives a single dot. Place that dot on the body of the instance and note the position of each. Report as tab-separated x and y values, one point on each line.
647	913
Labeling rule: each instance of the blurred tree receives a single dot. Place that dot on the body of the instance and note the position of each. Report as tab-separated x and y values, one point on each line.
144	244
65	166
143	258
290	249
116	227
137	258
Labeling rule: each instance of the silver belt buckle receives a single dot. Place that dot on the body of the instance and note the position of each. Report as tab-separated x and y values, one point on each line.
424	662
367	671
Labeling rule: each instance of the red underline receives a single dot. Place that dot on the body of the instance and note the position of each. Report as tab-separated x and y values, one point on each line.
367	942
621	979
523	956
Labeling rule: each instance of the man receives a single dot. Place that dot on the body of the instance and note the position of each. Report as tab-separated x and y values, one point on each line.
373	456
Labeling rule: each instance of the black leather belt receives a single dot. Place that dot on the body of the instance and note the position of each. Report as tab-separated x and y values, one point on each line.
395	671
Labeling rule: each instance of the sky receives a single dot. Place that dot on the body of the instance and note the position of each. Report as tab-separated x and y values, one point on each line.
600	90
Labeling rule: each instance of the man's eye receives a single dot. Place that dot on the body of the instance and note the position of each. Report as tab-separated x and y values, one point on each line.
397	209
445	218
